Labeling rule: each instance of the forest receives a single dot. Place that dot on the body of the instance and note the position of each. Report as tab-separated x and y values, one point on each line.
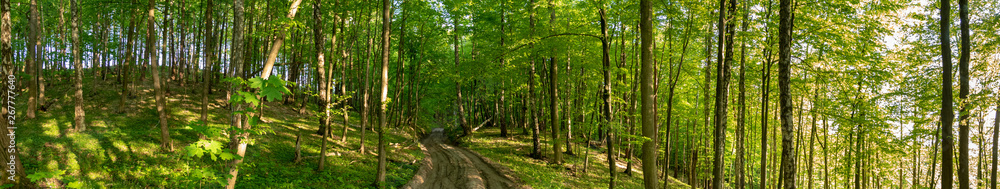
420	94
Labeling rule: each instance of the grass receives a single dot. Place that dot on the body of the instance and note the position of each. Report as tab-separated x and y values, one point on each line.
513	153
122	150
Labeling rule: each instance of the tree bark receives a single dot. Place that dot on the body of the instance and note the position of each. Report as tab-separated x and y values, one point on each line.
34	59
784	84
963	96
723	59
648	96
237	120
385	89
161	104
947	113
535	141
209	53
996	134
10	155
606	96
741	128
322	77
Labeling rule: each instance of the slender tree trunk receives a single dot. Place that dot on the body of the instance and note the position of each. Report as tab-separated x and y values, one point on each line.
765	94
265	73
963	96
996	135
740	162
322	77
161	104
947	113
648	96
124	66
209	53
536	152
34	59
366	88
606	96
237	120
385	89
466	129
721	93
784	83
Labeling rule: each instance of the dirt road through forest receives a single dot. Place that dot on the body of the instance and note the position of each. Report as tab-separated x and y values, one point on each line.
447	166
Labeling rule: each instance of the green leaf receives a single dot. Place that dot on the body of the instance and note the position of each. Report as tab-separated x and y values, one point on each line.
75	184
194	151
226	156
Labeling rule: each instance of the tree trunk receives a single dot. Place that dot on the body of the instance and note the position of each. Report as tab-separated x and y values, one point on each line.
265	73
648	96
209	53
466	129
536	152
17	177
741	127
34	59
784	85
161	104
606	96
947	113
237	120
385	89
996	134
963	96
721	92
124	66
321	80
765	94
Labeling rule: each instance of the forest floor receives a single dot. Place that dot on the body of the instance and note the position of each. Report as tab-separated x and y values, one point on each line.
446	166
121	150
584	169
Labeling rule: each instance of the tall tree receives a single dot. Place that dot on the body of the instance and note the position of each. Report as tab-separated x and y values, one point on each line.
209	53
161	104
34	59
79	116
264	74
536	151
947	113
963	96
237	120
606	95
996	135
322	77
385	89
554	98
17	177
784	84
723	59
648	96
741	127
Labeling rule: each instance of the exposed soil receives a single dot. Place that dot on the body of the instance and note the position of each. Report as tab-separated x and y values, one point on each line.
447	166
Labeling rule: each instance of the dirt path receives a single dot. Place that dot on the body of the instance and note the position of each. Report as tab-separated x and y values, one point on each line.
447	166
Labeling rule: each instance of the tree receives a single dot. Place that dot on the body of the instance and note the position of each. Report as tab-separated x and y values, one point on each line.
947	113
237	120
79	116
784	85
324	102
535	141
554	98
385	89
606	96
209	53
648	96
161	104
721	94
34	59
963	96
741	127
264	74
17	177
996	135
